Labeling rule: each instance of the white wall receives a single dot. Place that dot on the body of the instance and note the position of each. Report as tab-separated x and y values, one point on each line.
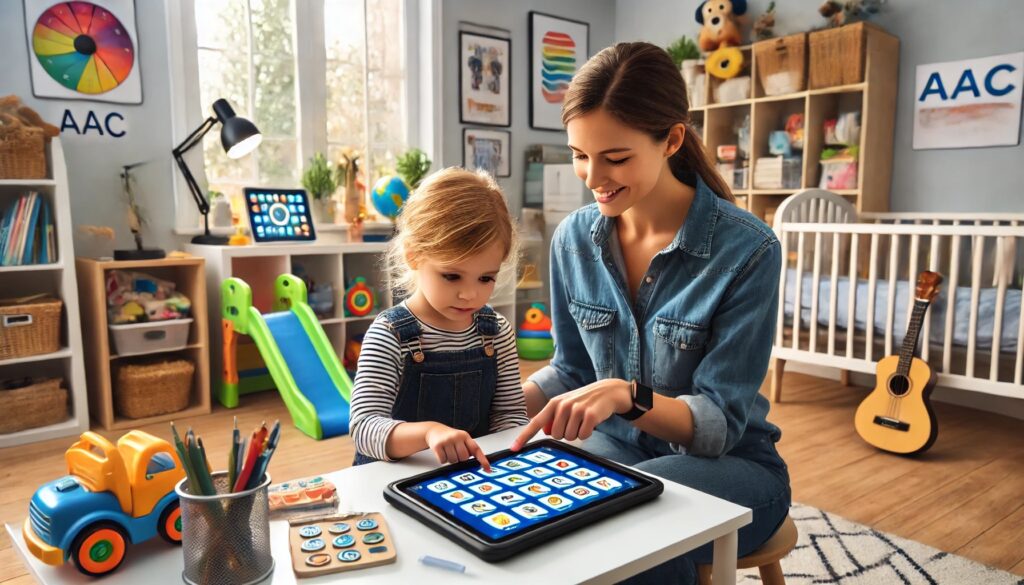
94	162
930	31
512	16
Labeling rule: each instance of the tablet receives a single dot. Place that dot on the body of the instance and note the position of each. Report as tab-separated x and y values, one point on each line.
544	490
279	215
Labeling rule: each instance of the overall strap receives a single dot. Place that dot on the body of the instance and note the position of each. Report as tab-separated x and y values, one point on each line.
406	328
487	327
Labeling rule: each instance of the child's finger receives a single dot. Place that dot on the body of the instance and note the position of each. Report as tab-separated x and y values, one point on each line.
451	453
439	453
477	452
463	453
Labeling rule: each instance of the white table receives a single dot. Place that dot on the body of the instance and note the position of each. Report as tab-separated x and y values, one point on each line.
678	521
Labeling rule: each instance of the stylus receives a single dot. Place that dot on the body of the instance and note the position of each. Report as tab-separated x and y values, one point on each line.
443	564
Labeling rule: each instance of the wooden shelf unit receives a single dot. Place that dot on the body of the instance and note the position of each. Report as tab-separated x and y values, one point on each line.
874	98
188	274
57	279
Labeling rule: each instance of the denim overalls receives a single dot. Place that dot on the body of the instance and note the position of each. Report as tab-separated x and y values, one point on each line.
454	388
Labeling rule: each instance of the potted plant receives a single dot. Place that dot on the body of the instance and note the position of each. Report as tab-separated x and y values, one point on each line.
319	182
412	166
686	56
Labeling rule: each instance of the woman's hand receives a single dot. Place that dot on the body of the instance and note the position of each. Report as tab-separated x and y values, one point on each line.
452	445
574	415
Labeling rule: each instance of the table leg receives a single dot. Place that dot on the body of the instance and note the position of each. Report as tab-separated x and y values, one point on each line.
724	566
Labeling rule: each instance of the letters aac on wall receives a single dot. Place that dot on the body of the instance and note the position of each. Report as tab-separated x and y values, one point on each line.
970	103
84	50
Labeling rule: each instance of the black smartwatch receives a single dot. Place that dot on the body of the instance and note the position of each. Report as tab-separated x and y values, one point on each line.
643	400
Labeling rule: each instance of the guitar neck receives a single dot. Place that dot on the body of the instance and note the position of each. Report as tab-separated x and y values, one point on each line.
913	332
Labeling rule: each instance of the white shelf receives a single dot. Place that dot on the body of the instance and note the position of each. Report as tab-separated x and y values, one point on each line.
66	287
32	267
28	183
42	357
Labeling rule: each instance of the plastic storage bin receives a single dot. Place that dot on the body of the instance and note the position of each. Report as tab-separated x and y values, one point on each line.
151	337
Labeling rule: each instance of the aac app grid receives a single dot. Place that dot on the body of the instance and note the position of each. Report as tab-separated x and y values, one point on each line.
521	491
282	216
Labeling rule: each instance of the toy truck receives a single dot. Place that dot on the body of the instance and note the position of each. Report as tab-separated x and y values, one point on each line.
111	496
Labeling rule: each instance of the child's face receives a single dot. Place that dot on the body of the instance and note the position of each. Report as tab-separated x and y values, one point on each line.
456	291
620	164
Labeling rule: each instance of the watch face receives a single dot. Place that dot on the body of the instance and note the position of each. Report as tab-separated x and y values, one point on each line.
643	396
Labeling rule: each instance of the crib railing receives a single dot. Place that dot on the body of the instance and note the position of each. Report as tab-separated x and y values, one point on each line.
973	251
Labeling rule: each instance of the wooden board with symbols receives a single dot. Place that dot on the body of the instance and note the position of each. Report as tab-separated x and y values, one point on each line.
346	542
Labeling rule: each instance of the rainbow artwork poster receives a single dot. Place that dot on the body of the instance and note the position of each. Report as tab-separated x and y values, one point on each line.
558	48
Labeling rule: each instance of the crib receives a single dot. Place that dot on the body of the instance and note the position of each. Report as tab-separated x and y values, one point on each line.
847	281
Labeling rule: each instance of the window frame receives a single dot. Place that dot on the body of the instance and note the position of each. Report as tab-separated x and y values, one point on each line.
420	27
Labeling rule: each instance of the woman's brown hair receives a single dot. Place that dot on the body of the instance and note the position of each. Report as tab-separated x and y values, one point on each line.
639	85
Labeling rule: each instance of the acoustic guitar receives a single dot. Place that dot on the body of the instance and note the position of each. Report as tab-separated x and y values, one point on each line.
897	416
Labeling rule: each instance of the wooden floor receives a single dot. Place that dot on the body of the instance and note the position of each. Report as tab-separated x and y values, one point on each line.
965	496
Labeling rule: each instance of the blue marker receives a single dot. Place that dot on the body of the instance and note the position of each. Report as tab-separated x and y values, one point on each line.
443	564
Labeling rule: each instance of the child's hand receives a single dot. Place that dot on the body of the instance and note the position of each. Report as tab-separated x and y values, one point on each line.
452	445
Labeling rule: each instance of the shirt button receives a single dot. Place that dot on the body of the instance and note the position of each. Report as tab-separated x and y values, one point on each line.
648	280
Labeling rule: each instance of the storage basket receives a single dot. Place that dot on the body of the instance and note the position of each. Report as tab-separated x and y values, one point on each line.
29	326
22	152
837	55
153	387
31	403
781	64
149	337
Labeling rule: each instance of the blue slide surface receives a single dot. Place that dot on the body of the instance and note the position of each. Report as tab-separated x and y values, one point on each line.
309	372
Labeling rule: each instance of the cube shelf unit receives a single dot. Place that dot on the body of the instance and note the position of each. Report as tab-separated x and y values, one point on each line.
189	279
874	98
259	265
58	279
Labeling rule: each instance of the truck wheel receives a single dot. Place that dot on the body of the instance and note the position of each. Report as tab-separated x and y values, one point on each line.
170	523
99	549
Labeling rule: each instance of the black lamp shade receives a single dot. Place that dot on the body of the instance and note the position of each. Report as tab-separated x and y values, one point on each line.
238	136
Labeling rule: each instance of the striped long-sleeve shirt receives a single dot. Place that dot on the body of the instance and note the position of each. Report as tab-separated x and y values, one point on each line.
381	361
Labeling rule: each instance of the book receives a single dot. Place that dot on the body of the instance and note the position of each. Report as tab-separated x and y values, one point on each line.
31	232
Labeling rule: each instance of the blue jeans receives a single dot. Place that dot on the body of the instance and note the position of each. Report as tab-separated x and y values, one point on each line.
752	479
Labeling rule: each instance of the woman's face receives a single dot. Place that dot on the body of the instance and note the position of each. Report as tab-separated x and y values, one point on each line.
620	164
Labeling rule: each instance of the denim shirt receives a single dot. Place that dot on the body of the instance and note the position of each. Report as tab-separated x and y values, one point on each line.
700	331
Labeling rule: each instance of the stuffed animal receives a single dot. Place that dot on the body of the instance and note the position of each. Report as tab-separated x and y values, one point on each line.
719	28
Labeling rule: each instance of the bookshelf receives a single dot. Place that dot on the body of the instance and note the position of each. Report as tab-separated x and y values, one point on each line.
874	98
58	279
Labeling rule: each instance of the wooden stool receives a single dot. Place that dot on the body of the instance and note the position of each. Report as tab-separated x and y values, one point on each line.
766	558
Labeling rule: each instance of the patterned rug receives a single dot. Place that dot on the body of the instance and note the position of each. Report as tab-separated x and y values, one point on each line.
832	549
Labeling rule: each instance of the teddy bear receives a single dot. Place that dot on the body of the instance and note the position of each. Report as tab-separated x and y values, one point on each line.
719	28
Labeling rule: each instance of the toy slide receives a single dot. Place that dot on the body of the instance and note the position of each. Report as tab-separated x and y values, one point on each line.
299	357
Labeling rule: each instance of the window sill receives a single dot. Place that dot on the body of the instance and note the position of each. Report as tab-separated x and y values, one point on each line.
370	226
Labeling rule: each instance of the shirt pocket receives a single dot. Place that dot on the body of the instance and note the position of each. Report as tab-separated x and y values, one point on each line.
457	400
595	326
678	349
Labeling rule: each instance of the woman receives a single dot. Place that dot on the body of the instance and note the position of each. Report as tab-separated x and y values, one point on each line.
664	297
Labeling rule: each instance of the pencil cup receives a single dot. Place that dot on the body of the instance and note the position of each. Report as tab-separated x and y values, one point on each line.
226	538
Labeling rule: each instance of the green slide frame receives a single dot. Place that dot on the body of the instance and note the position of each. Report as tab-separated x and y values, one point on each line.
289	295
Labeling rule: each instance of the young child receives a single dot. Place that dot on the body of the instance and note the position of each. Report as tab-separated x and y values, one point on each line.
441	367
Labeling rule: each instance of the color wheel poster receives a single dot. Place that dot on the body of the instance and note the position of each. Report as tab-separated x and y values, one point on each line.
558	48
84	50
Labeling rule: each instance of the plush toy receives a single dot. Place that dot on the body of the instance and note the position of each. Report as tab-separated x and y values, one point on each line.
719	28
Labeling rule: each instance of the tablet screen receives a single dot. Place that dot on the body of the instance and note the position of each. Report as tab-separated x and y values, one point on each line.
279	215
523	491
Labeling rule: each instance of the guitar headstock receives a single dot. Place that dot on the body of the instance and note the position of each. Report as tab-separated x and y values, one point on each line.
928	285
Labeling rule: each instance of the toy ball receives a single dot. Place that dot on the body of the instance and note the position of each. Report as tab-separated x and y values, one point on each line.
533	339
389	193
358	298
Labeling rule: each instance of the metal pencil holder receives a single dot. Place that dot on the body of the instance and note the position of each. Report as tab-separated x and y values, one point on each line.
226	538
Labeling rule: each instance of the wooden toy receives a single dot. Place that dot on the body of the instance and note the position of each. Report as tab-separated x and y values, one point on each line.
346	542
310	494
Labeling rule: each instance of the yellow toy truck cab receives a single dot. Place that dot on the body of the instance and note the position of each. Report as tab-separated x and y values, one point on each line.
111	496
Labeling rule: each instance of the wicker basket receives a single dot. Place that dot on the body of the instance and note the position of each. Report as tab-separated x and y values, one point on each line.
781	64
22	152
837	55
31	403
29	326
151	388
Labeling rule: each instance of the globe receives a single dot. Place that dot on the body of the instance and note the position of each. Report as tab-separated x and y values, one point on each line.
389	193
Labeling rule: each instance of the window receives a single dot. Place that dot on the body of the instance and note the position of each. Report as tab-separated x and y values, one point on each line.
248	53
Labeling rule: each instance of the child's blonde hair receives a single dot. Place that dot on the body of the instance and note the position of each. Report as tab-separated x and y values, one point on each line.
453	215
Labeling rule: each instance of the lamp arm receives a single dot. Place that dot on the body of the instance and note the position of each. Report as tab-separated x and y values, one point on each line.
181	149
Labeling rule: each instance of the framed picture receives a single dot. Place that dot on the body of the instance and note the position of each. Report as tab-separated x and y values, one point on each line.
558	48
487	150
484	69
84	50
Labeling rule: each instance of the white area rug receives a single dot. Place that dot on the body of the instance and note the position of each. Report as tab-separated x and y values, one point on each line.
832	549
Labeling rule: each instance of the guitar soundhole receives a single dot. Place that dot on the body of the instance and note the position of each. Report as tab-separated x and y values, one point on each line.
899	385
